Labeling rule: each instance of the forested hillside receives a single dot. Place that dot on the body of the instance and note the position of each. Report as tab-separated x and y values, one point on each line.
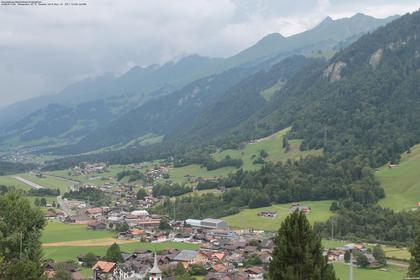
362	103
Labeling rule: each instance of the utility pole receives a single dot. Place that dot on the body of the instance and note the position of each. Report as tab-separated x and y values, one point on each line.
20	247
325	137
332	228
351	265
174	209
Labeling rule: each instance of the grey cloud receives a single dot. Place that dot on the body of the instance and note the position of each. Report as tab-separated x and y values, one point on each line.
42	49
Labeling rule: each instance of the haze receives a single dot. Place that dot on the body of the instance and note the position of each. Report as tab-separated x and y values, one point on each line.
42	50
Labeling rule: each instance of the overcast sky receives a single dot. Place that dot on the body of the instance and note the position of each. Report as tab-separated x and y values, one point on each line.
42	49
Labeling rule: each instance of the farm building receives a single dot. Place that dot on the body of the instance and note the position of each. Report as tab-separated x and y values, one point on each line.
268	214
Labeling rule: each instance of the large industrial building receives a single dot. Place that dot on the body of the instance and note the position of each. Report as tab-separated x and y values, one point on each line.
208	223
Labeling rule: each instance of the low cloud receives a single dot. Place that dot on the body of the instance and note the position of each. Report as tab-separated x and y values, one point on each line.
44	48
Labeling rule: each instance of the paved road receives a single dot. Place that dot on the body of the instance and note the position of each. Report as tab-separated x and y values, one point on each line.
63	205
398	263
29	183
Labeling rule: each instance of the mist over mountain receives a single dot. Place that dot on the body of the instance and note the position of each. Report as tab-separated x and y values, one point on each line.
109	99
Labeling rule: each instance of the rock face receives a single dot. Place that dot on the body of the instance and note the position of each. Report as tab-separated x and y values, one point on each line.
376	58
333	71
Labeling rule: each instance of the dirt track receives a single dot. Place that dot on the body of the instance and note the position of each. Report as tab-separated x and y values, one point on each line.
90	242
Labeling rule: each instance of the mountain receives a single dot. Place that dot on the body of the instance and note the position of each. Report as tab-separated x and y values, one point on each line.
224	100
326	35
364	102
115	100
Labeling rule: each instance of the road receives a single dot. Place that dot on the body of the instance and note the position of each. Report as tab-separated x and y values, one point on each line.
63	205
60	200
29	183
397	263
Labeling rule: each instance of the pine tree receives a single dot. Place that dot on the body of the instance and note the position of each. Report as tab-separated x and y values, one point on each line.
347	256
298	252
113	254
379	254
414	268
20	232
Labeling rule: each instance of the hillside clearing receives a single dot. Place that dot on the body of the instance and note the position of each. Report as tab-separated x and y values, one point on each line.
248	218
402	183
271	144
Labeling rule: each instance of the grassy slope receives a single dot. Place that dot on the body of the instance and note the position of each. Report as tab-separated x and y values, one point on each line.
248	218
272	145
402	183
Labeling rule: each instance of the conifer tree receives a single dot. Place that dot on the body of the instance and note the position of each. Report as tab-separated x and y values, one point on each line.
113	254
20	232
414	268
298	252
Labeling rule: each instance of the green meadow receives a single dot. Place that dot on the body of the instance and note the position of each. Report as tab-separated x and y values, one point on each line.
402	183
70	252
48	181
248	218
11	182
271	144
60	232
387	273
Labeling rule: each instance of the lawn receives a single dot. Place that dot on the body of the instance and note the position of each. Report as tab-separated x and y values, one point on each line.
60	232
248	218
402	183
272	145
392	273
9	181
69	253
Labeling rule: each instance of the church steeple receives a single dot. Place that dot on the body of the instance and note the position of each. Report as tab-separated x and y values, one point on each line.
155	273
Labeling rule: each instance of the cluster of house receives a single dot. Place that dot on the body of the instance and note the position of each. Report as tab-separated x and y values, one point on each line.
156	172
89	168
222	253
101	218
297	207
337	254
268	214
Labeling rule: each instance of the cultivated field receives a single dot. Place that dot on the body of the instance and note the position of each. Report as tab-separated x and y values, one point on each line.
70	252
248	218
402	183
65	242
60	232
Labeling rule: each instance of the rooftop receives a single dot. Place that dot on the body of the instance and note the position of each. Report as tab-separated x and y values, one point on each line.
186	255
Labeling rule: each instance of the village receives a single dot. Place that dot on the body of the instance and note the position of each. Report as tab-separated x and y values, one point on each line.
222	252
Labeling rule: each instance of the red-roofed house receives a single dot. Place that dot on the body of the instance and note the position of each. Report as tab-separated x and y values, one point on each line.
103	270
